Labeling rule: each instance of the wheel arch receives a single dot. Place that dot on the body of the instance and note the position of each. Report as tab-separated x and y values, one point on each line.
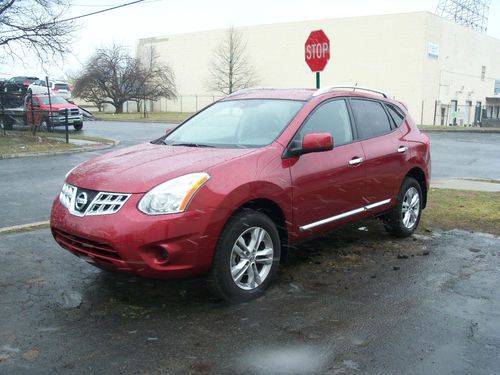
275	213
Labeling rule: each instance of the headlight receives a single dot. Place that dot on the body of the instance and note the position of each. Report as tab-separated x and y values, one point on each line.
172	196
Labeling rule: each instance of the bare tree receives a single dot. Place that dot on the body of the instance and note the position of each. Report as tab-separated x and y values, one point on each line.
34	26
87	90
113	76
230	69
157	79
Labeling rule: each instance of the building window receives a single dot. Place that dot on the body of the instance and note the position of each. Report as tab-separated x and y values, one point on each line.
483	73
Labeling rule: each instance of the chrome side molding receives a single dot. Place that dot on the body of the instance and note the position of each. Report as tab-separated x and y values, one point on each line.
343	215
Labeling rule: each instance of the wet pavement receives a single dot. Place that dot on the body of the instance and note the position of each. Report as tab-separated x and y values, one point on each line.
28	185
355	302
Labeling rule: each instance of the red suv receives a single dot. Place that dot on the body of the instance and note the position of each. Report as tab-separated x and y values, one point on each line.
226	192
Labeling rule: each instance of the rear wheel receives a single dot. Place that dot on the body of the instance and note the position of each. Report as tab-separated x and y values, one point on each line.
78	126
403	220
246	258
6	123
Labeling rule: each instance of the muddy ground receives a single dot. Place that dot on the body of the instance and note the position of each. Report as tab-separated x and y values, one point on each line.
355	302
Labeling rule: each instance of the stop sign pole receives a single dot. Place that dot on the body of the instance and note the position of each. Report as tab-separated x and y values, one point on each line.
317	52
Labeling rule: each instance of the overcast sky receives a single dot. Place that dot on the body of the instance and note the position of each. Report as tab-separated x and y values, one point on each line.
161	17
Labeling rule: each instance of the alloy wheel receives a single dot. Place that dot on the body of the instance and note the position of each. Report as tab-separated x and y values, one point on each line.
410	209
251	258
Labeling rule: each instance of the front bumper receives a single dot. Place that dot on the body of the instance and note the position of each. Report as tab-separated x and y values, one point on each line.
164	246
58	120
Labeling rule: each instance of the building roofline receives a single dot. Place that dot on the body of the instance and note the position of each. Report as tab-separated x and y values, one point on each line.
166	36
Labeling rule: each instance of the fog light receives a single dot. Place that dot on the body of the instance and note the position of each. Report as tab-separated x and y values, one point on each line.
161	256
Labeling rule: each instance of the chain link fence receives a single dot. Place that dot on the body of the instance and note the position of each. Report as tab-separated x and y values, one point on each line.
454	114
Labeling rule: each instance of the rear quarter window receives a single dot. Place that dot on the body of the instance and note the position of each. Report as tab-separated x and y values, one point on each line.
396	114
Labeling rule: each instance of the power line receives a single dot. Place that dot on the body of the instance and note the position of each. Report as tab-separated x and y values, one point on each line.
100	11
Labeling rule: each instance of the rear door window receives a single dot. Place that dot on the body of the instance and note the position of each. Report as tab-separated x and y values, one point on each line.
370	117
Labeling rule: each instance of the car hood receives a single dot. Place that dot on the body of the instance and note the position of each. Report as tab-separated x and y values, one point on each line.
60	106
139	168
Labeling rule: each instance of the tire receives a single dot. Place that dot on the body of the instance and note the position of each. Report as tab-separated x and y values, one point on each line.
46	125
7	123
78	126
235	255
403	220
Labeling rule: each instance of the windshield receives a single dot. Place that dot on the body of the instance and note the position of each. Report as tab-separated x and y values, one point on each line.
53	99
236	124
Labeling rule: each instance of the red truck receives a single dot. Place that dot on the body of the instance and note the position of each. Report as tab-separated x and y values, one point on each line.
40	111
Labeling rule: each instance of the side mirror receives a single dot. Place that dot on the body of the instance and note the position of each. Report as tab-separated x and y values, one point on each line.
314	142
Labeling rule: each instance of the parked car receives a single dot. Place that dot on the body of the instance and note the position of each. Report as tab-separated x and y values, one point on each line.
225	193
57	88
24	80
38	87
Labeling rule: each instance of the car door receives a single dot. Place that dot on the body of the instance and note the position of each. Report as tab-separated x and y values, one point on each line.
328	186
385	149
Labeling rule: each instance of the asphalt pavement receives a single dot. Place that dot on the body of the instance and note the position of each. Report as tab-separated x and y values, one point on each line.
465	155
28	185
356	302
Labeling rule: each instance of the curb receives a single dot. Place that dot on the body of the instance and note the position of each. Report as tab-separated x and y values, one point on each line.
25	227
490	186
142	121
460	131
102	146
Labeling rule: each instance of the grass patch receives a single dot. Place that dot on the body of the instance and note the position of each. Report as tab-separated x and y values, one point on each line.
437	128
19	143
170	117
460	209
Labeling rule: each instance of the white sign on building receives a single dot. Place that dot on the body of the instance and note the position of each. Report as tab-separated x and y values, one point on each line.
433	50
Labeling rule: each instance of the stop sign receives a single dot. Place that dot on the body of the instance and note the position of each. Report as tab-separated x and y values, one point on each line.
317	50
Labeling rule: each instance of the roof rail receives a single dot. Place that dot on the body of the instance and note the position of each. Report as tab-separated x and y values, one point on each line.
249	89
327	89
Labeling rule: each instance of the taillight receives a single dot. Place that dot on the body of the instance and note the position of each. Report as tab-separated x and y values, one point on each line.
55	89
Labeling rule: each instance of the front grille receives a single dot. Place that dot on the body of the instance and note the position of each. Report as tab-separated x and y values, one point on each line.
82	202
72	112
106	203
85	247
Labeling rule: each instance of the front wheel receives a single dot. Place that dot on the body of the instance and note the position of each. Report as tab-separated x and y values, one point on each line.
403	220
246	258
78	126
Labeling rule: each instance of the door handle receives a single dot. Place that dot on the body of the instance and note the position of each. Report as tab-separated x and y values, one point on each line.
355	161
402	149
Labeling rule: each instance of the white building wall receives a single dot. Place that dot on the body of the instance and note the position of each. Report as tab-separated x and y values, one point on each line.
456	73
387	52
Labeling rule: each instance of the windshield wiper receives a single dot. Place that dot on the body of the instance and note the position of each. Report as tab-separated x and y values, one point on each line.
191	144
